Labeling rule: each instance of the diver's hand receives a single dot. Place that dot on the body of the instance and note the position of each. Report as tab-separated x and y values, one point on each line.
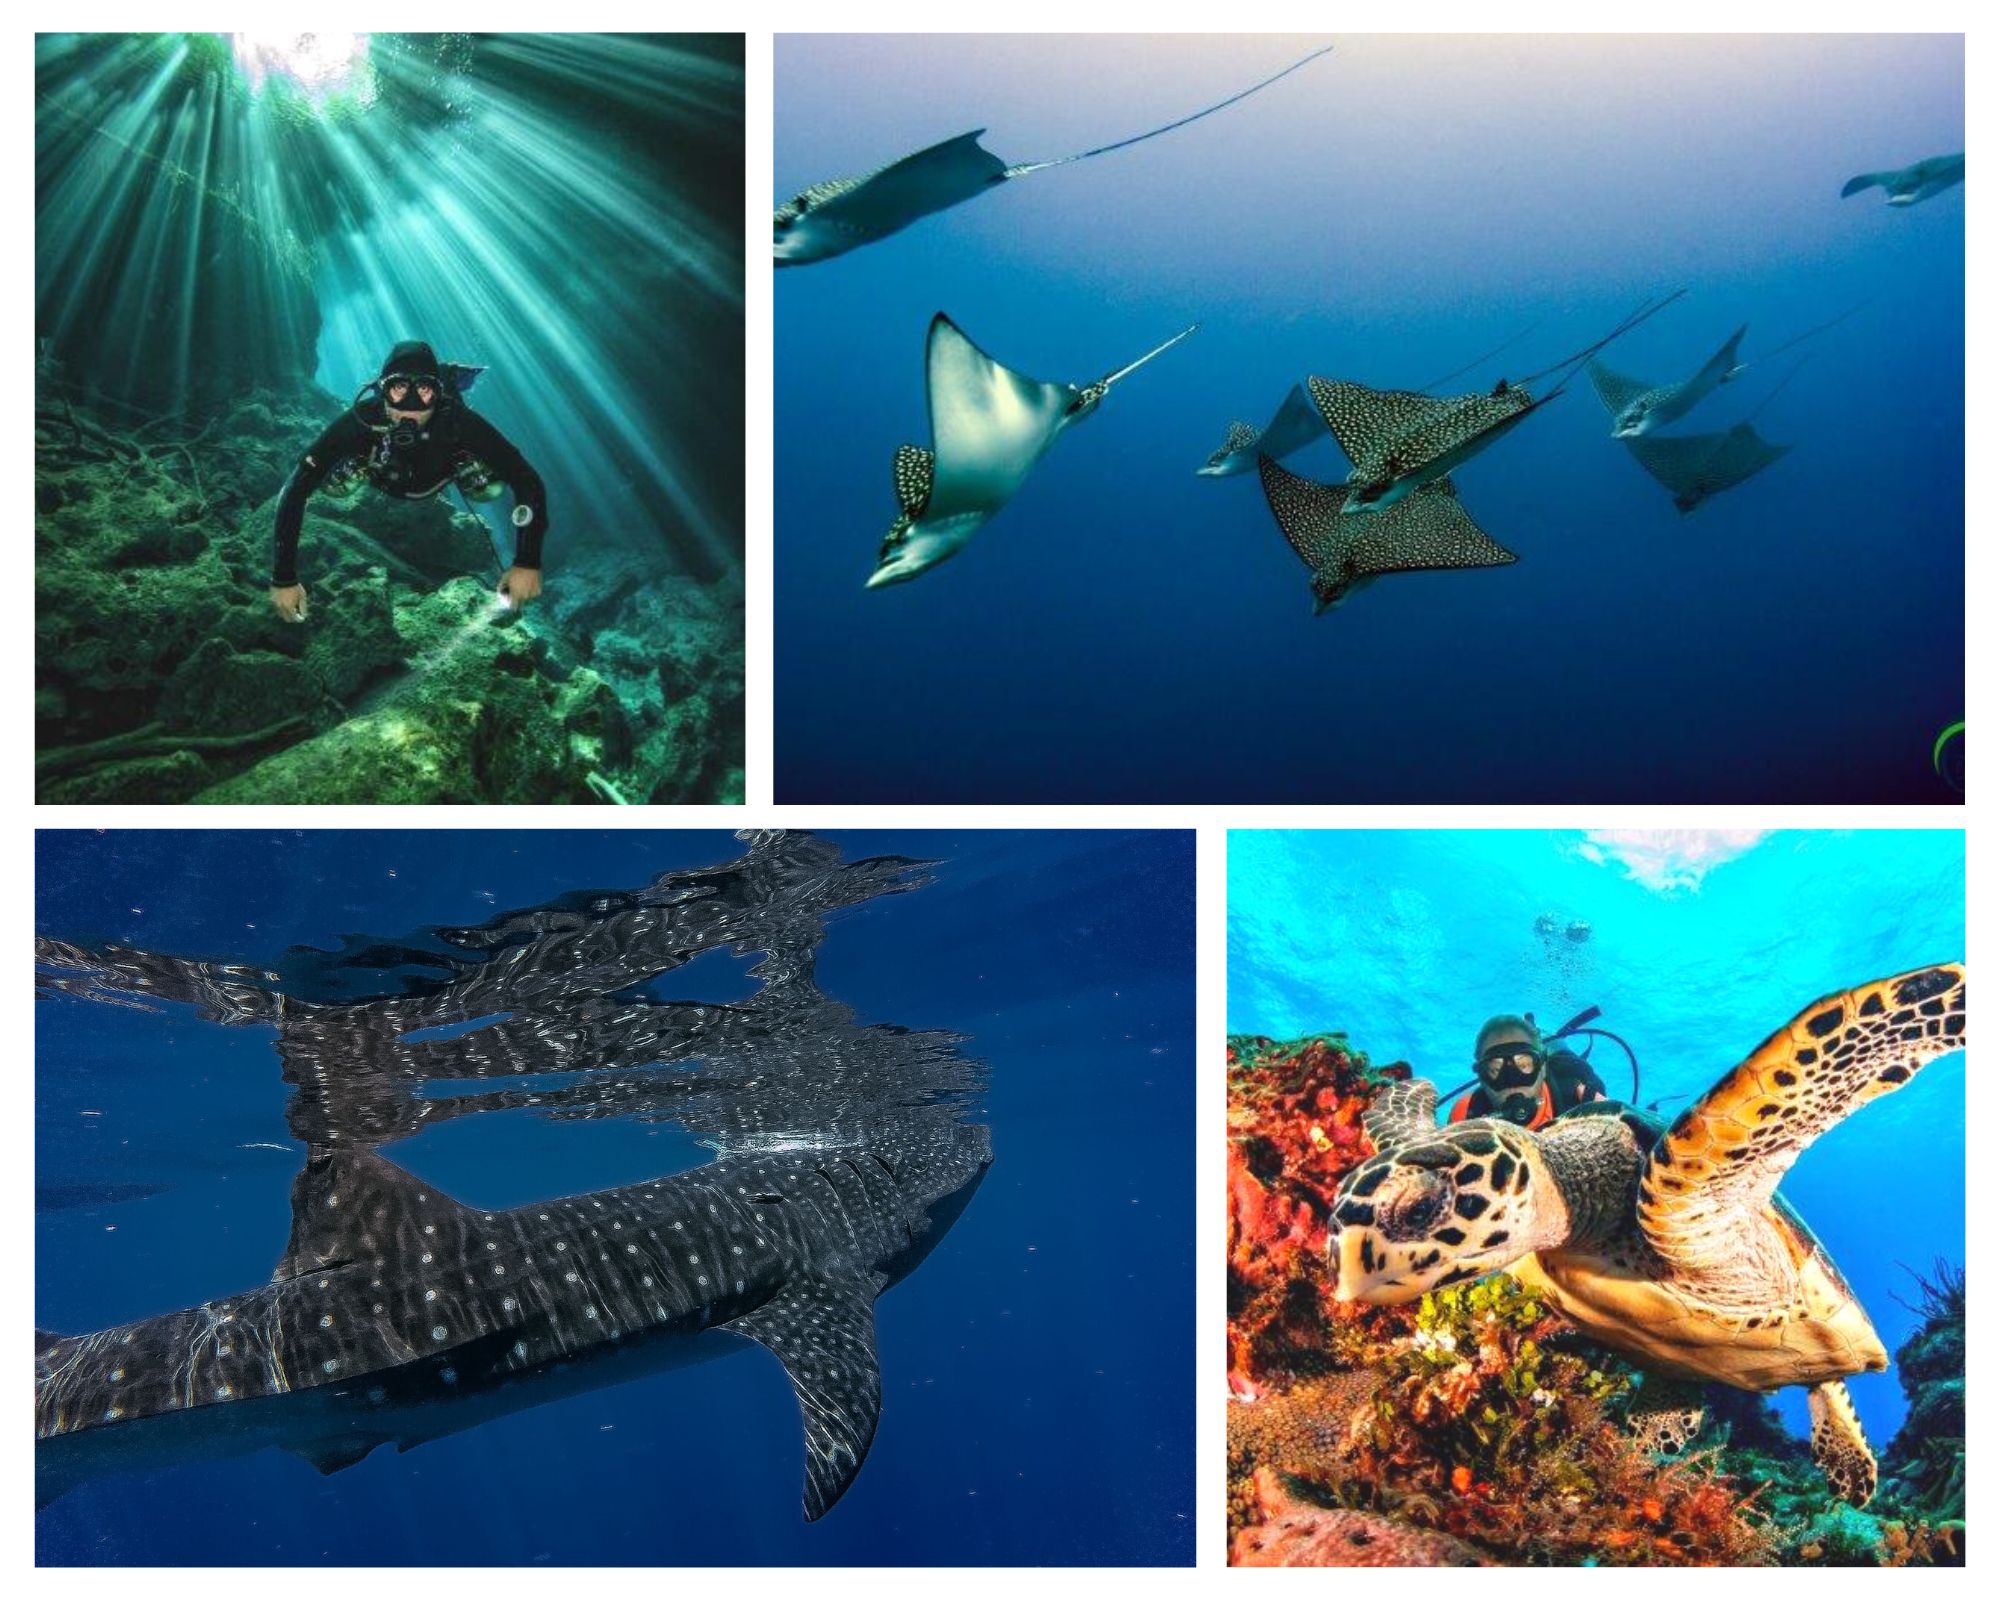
520	585
289	603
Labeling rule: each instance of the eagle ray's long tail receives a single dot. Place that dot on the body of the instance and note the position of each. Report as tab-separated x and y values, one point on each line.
1570	366
1137	138
1157	350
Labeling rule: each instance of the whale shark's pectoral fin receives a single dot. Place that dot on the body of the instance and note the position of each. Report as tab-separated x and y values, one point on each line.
823	1330
989	424
935	179
352	1205
1615	389
1366	422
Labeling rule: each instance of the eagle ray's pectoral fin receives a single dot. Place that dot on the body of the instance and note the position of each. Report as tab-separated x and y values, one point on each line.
823	1331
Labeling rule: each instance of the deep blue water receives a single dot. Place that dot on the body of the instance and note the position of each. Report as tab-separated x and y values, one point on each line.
1038	1367
1127	631
1697	946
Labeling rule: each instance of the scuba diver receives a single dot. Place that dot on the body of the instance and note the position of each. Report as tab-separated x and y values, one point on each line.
410	433
1525	1079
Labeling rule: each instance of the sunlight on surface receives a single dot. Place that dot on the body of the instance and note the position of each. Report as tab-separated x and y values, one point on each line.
1669	859
318	65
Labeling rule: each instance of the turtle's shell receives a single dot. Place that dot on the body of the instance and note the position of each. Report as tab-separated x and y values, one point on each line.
1629	1298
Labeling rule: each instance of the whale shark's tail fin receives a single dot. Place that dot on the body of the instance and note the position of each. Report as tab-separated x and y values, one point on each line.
1865	180
823	1330
1154	133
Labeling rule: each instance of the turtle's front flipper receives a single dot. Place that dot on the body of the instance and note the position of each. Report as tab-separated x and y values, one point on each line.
1403	1113
1839	1445
1667	1414
1720	1162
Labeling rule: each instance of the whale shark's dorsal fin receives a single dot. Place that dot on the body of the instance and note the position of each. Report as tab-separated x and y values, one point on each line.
1615	389
913	471
823	1330
352	1205
1364	422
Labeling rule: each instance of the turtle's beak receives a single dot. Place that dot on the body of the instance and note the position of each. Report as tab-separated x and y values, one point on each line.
1345	1257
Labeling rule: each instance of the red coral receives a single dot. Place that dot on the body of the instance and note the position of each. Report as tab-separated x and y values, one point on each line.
1294	1133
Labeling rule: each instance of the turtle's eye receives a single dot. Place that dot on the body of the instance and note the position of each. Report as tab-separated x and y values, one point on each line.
1414	1201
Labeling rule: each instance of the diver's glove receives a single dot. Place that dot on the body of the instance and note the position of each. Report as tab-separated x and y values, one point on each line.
289	602
520	585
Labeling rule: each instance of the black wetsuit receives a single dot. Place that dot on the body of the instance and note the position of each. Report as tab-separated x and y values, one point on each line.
413	464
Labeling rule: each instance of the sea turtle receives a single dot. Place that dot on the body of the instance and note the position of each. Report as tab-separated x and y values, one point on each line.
1670	1245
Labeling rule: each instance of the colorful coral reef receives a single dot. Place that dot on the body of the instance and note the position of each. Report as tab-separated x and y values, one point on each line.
1476	1427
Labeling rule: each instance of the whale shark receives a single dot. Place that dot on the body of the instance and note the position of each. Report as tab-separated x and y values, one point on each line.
1638	408
1694	467
1401	439
990	425
1921	180
1424	531
829	219
1293	426
398	1314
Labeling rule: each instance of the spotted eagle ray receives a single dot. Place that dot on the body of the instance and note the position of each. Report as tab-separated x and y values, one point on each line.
1426	530
1293	426
1692	467
1400	439
398	1315
832	218
1907	185
989	426
1638	408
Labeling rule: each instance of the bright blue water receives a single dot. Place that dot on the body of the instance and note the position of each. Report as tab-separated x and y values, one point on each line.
1038	1367
1408	941
1126	631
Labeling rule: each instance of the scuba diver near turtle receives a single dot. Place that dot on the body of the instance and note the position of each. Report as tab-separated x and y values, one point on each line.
1668	1244
410	433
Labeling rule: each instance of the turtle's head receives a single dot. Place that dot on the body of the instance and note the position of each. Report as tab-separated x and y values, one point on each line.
1470	1201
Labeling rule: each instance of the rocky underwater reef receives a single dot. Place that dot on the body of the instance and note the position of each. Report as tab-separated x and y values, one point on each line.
1476	1428
163	675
